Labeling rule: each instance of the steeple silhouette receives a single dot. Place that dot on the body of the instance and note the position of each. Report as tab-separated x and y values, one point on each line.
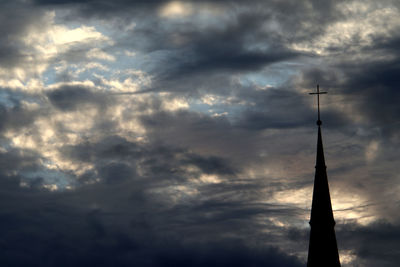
322	251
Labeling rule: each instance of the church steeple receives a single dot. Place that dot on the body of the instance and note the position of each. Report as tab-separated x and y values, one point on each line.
322	251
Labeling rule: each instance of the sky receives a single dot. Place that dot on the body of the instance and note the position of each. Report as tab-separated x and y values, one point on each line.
182	133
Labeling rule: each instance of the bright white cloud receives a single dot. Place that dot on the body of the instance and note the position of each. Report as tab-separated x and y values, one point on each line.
362	23
46	43
136	80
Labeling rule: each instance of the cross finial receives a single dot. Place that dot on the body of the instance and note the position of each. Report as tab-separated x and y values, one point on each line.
319	122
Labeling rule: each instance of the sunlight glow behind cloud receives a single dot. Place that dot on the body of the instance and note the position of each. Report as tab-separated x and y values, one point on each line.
176	9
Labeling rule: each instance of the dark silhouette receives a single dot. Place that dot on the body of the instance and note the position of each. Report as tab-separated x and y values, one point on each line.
322	249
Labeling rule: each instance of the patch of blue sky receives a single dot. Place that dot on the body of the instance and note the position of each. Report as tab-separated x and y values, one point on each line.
125	62
199	106
230	111
50	177
154	60
73	72
124	47
121	38
272	76
49	76
10	98
5	100
5	145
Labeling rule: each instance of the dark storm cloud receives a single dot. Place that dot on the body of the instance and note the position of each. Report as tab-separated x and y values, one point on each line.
14	114
375	244
211	164
72	97
240	44
227	48
308	10
122	222
18	160
204	133
225	54
20	166
69	232
116	172
116	159
275	108
376	85
370	87
231	206
104	3
15	20
214	136
249	40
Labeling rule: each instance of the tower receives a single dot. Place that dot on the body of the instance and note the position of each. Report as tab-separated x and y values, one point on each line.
322	251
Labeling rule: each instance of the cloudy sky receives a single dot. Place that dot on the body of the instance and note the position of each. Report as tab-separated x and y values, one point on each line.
181	133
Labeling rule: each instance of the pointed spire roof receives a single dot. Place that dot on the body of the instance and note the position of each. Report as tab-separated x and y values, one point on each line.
323	249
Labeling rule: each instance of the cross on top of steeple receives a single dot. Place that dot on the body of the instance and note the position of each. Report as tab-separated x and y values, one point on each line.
323	250
319	122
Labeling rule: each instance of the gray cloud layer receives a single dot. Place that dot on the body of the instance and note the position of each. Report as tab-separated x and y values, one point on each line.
187	139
